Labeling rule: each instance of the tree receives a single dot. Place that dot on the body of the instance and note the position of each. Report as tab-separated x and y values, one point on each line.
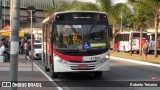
114	12
152	6
49	11
138	21
63	6
74	5
87	7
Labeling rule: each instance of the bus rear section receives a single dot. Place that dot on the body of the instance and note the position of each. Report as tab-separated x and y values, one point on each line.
151	42
76	42
136	44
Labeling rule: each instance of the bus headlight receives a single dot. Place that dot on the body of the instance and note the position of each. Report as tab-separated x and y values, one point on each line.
103	60
107	57
62	61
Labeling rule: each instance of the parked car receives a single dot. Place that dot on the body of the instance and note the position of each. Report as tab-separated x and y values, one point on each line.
37	41
37	50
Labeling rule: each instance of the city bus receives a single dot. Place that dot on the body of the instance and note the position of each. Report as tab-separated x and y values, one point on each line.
151	42
122	41
76	41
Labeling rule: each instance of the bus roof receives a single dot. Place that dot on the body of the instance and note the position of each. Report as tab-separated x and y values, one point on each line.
52	16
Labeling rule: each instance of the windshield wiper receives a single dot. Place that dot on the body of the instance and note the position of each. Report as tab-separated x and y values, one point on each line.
92	27
74	30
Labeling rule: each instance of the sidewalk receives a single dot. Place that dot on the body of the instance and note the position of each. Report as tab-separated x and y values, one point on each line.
25	73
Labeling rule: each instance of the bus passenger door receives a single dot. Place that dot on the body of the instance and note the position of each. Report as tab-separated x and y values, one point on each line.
49	54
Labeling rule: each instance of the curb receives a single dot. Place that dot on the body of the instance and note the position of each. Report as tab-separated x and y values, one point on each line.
135	61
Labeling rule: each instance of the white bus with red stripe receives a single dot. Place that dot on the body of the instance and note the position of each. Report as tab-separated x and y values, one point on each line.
76	41
151	42
122	41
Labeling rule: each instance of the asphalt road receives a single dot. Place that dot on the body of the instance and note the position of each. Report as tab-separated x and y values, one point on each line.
120	72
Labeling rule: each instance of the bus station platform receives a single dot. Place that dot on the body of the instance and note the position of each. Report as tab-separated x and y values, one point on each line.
25	76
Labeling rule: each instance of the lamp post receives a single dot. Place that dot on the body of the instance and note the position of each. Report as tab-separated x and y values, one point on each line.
31	15
121	21
4	12
0	14
31	10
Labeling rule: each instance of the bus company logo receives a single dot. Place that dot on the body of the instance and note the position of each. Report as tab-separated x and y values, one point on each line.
6	84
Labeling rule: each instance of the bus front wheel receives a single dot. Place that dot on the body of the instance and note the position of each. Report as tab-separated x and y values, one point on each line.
98	74
54	75
47	69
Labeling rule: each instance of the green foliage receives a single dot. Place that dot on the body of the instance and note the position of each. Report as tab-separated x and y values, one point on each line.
145	9
75	5
137	20
63	7
49	11
114	11
87	7
105	5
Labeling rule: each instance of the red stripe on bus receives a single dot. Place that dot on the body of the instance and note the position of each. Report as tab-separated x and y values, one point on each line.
68	57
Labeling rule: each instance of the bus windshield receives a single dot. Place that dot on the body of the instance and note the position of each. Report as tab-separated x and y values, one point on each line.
80	36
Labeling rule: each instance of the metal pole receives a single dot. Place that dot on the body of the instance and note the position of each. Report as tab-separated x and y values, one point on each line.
4	12
1	14
31	38
121	21
14	50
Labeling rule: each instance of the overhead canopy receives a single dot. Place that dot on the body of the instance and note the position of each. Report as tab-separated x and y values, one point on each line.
6	29
6	32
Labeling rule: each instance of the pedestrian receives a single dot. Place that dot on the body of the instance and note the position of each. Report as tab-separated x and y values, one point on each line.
145	49
4	53
26	45
22	44
29	50
2	42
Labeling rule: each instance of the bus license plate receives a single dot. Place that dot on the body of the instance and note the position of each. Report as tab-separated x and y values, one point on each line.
84	67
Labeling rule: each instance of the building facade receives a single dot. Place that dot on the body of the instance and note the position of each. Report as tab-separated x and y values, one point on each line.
40	6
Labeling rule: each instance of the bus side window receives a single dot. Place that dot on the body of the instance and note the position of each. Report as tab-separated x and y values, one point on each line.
148	37
127	37
54	33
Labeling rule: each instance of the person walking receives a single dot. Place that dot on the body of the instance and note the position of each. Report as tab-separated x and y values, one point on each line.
145	50
29	50
26	45
4	53
22	44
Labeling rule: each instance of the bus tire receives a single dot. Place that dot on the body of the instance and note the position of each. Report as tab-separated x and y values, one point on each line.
150	52
54	75
98	74
158	52
47	69
137	52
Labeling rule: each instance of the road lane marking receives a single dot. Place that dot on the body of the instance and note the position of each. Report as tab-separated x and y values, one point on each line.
135	61
50	79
